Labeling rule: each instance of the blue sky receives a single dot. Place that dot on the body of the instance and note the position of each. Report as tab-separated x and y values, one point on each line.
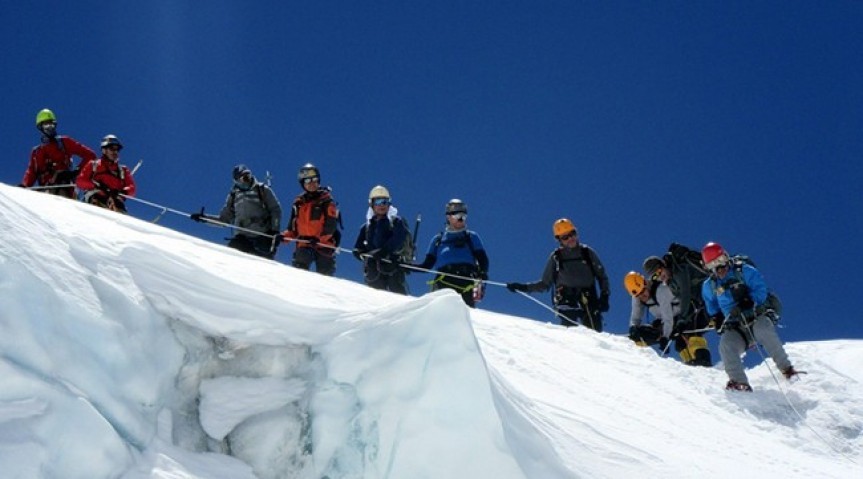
643	122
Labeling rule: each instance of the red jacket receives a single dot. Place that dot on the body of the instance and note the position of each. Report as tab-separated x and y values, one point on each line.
109	174
47	160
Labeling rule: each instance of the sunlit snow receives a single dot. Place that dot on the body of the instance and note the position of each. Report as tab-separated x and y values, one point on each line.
128	350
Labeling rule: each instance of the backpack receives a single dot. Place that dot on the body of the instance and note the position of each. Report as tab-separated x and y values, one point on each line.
772	302
259	189
406	253
687	275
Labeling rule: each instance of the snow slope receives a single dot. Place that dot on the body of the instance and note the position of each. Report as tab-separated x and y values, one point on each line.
130	350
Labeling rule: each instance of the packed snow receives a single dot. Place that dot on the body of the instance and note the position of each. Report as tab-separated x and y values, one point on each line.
128	350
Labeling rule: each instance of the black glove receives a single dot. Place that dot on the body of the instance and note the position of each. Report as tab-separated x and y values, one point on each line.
513	287
682	325
358	253
633	333
199	217
312	240
663	343
278	238
603	303
379	253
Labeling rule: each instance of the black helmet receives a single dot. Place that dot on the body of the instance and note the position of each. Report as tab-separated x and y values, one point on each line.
456	205
239	171
651	265
111	140
308	171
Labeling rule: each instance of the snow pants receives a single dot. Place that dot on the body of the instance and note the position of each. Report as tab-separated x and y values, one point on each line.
735	340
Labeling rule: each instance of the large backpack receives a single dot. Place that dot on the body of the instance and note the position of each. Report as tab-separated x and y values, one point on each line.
687	275
686	263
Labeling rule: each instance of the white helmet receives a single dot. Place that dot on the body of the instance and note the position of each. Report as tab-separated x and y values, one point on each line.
379	191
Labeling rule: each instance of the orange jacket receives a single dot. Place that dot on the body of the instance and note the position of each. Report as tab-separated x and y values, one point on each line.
314	216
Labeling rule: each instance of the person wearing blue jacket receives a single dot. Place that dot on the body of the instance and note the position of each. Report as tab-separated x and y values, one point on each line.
735	296
459	255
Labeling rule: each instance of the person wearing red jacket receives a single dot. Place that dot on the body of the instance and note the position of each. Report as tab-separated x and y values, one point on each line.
51	161
105	181
314	224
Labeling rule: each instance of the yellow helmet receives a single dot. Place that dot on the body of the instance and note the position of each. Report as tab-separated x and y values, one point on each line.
634	283
562	227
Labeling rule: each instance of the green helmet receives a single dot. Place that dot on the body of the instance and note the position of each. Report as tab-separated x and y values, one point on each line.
45	115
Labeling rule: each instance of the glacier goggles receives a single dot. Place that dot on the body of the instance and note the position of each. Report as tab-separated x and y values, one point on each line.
310	179
380	202
567	236
717	264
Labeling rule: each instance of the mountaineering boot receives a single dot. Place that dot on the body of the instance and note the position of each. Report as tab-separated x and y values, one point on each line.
791	374
702	358
736	386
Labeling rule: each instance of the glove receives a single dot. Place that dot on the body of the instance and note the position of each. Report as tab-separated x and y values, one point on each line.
735	313
633	333
378	253
277	237
603	303
312	240
199	217
513	287
663	343
683	325
358	253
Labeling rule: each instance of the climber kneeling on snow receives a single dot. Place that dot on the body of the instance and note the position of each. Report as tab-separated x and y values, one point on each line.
738	292
105	181
656	298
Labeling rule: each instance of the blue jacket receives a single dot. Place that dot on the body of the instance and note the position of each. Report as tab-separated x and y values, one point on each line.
451	248
717	292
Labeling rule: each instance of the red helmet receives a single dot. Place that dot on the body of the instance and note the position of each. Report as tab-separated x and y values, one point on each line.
713	255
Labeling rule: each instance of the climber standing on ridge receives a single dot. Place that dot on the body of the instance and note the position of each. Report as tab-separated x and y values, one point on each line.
459	255
379	242
573	270
253	206
51	161
105	181
314	223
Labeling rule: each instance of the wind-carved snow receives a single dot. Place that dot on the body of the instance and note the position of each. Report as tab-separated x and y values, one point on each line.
130	350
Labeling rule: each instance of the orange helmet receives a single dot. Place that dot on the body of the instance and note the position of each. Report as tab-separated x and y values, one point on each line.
634	283
562	227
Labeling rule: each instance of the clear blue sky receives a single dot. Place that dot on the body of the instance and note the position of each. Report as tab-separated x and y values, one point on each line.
644	122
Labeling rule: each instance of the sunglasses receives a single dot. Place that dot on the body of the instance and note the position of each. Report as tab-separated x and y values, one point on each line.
566	236
380	202
113	148
306	181
717	264
656	275
458	216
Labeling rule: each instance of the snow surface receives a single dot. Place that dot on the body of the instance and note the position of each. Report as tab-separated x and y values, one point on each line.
128	350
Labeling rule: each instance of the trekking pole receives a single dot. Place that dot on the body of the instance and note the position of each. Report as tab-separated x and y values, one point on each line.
50	187
137	166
